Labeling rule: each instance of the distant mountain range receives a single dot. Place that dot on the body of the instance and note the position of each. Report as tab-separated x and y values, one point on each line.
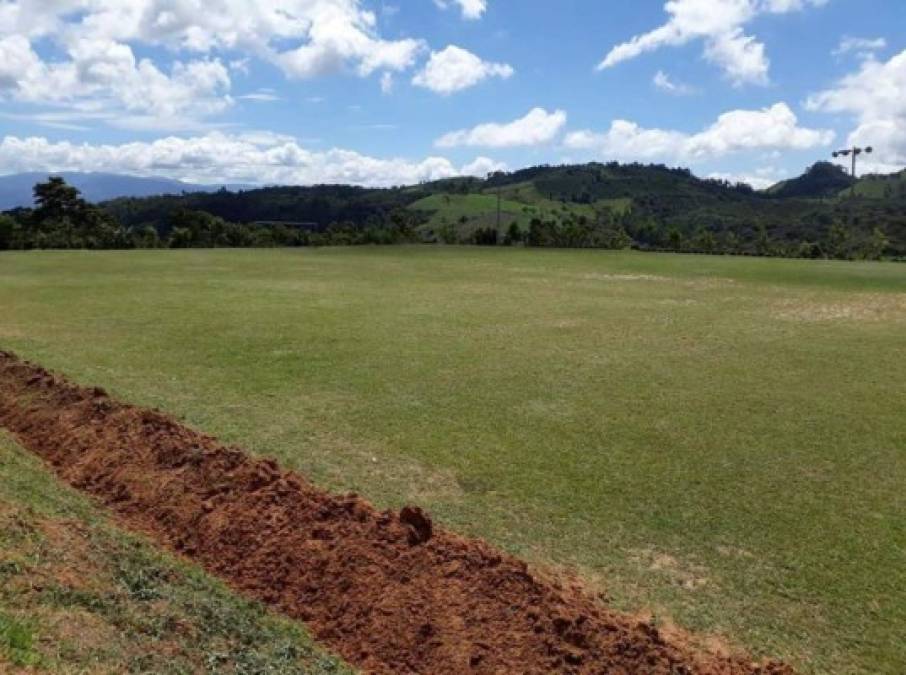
16	189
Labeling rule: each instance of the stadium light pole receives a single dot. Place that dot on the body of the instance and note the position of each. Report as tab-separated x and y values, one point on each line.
855	152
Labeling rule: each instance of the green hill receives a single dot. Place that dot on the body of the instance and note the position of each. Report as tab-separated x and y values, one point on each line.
820	180
649	207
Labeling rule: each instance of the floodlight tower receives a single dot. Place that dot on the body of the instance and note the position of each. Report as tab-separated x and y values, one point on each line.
855	152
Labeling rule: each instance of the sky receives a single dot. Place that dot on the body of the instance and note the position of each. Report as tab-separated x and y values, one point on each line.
391	92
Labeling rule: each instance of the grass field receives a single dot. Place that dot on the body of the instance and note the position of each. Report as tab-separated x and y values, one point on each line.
721	440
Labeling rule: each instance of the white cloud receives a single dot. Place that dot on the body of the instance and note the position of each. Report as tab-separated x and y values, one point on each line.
482	166
741	57
875	95
387	83
70	121
664	82
720	24
454	69
864	47
784	6
735	131
262	95
17	61
105	75
471	9
762	179
327	33
305	38
537	127
262	157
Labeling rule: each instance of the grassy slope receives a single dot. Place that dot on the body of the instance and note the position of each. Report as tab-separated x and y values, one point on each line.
519	203
77	595
880	187
720	439
450	208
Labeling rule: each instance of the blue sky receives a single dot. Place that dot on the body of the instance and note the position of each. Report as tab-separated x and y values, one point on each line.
398	91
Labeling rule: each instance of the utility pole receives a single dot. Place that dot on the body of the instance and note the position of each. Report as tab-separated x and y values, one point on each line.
498	208
855	152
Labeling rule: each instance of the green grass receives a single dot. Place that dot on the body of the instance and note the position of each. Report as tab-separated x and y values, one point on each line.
78	596
17	642
528	193
479	210
879	187
519	204
721	440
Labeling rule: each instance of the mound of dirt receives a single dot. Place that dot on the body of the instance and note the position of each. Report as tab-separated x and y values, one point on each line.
388	591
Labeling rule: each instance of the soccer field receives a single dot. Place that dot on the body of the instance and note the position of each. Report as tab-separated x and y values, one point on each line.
721	441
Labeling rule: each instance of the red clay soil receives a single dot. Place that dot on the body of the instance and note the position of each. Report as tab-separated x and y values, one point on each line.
386	590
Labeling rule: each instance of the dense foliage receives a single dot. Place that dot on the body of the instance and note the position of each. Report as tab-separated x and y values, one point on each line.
822	214
822	180
62	219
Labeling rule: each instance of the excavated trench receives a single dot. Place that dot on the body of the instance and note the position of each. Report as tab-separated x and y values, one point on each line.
386	590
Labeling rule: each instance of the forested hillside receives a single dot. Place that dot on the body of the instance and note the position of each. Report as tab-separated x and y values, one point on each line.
823	213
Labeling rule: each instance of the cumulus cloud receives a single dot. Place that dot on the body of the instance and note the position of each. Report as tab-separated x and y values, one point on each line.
454	69
719	23
471	9
734	131
217	157
105	75
305	38
538	127
875	95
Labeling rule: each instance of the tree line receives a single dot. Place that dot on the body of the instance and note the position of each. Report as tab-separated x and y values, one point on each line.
671	211
62	219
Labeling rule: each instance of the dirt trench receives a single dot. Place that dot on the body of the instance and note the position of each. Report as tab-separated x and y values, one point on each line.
388	591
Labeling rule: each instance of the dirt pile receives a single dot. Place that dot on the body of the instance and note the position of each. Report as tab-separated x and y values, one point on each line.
388	591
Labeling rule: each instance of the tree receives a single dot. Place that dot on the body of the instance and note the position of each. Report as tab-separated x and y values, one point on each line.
838	241
485	236
56	200
447	233
513	235
809	250
762	241
146	237
9	230
542	233
704	241
731	242
180	237
876	244
620	239
62	219
675	239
